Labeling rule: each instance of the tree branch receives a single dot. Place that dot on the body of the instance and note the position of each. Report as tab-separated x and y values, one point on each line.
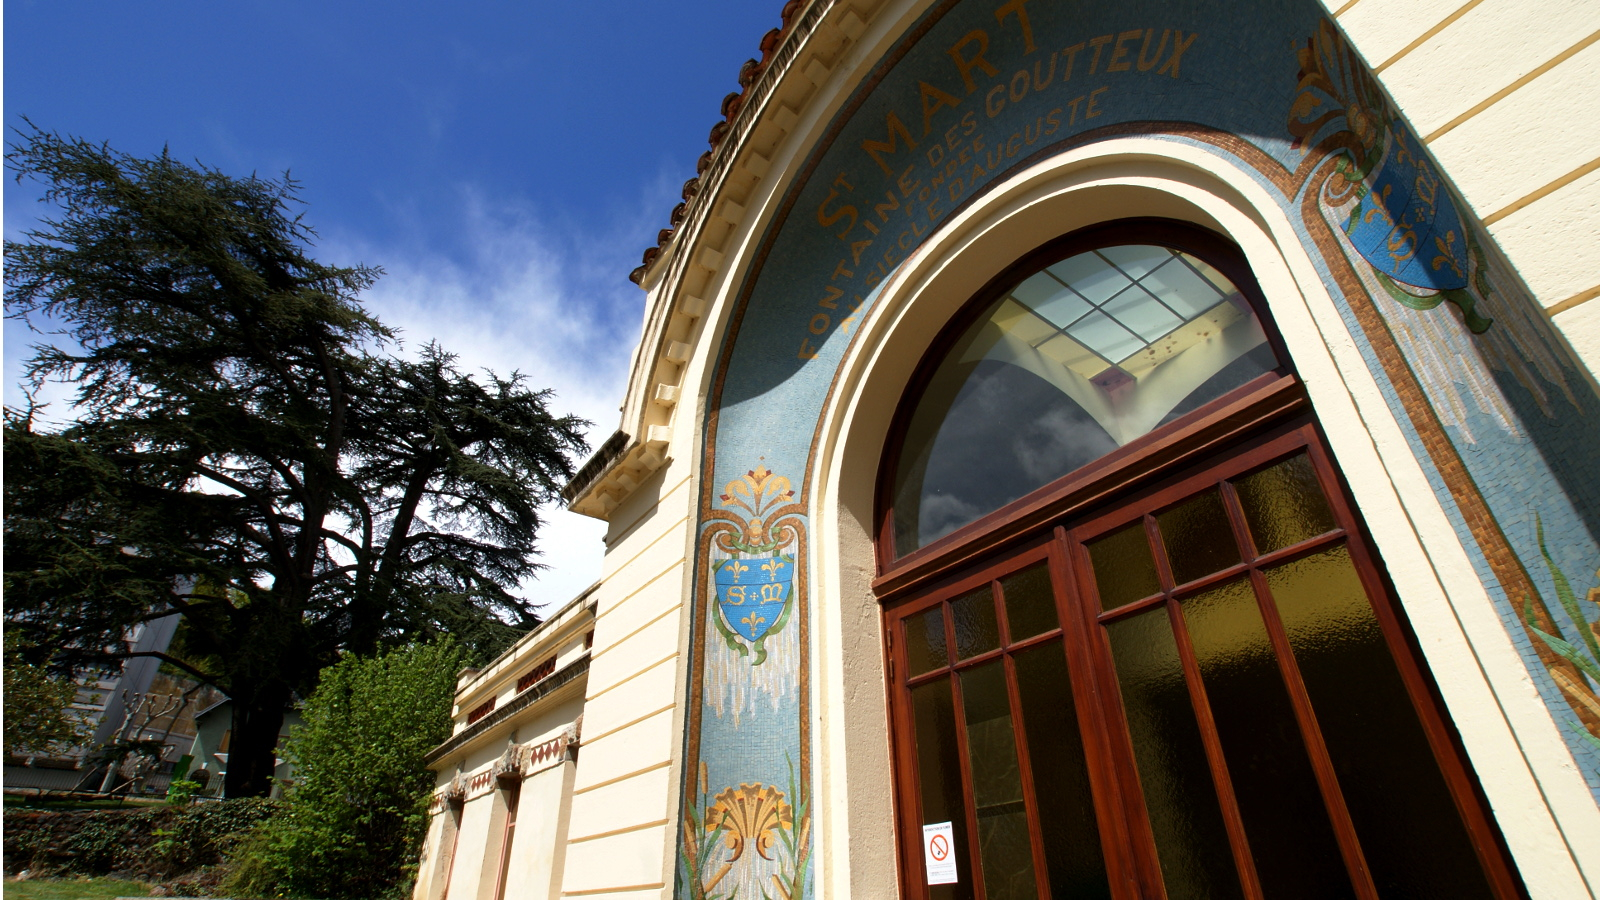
167	658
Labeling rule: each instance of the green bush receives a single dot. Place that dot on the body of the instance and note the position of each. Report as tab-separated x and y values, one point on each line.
181	791
149	842
357	811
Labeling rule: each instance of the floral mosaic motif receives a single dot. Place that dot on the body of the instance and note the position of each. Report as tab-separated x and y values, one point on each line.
754	541
750	814
1401	217
758	492
1579	680
719	830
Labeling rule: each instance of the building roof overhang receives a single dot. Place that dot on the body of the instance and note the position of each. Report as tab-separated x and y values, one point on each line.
798	63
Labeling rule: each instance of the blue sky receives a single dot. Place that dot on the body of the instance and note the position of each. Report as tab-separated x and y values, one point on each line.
505	163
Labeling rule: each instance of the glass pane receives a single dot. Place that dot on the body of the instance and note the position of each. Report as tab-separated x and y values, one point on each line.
1030	602
1090	275
1123	570
1180	287
1191	841
939	778
1414	840
1142	314
1284	504
1106	336
1198	538
1078	359
1136	260
977	631
1238	373
987	435
1003	842
925	647
1285	821
1053	301
1060	776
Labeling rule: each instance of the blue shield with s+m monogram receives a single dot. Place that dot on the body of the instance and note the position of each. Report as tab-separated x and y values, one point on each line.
752	592
1407	225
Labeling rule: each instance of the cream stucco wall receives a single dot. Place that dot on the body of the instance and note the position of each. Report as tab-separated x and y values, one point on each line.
621	834
537	853
529	742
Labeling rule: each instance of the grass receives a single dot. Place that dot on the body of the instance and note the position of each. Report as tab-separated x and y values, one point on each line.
75	889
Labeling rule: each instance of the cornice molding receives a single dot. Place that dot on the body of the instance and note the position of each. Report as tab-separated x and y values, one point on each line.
692	256
481	728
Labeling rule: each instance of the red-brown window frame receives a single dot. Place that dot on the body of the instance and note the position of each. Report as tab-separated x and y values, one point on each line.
1245	429
1127	844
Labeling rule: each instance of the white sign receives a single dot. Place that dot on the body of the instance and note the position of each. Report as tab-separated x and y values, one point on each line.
939	852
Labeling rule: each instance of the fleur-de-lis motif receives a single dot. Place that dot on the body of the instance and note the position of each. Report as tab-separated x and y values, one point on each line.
1445	257
754	621
736	567
752	813
757	491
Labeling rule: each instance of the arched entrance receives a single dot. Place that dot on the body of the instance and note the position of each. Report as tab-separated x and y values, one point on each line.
1159	654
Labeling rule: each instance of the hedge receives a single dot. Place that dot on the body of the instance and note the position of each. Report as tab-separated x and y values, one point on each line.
153	843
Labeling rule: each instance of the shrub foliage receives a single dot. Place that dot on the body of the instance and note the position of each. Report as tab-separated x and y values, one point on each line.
38	707
358	809
154	842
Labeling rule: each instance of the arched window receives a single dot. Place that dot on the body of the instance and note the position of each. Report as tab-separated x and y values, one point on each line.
1092	343
1138	643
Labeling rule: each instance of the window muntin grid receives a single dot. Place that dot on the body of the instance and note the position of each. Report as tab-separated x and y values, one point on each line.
1079	358
1103	308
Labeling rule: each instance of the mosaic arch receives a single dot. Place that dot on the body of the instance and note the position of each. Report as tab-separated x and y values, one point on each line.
1504	426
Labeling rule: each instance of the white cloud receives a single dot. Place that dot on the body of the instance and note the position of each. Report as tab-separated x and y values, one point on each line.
522	296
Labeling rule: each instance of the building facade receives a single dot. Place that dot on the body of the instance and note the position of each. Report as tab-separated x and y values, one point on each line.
1131	450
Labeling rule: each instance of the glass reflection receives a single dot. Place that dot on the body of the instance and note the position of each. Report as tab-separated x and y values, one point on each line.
1411	832
1174	776
1078	359
1003	842
1123	569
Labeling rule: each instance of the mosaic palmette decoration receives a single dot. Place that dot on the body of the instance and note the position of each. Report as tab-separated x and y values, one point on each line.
746	841
1399	216
754	576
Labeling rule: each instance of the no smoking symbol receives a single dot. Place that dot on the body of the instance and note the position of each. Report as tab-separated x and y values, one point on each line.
939	847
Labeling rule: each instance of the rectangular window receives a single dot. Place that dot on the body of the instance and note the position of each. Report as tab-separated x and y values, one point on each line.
512	789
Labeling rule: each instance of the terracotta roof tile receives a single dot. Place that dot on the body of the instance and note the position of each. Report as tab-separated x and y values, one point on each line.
749	72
